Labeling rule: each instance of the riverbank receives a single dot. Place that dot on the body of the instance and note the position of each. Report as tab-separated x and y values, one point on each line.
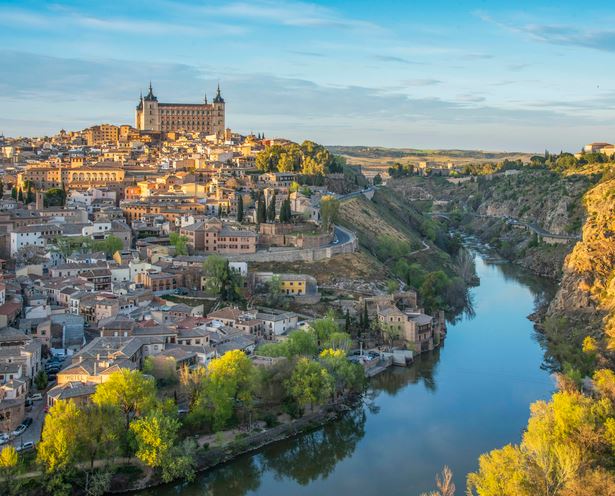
208	458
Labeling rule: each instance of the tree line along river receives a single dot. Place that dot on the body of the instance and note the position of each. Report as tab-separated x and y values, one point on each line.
468	397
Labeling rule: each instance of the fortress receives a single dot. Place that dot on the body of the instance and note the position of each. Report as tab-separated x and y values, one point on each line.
203	117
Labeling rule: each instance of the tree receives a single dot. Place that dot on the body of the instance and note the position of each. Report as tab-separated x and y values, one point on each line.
130	391
59	449
324	328
20	195
179	242
1	189
299	343
9	466
55	197
239	208
155	435
347	376
14	193
390	333
261	213
110	245
338	341
271	209
41	380
347	322
215	272
444	483
329	209
285	211
220	279
99	436
377	179
163	369
230	382
310	383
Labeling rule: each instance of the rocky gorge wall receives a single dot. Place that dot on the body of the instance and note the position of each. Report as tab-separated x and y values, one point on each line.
588	282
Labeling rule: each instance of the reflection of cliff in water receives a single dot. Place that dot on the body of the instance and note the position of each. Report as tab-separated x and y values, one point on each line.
542	289
422	370
303	459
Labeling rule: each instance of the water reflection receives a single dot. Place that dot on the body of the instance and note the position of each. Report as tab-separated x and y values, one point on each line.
314	456
303	459
422	371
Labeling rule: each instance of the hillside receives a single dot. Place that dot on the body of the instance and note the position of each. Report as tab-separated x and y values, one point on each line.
409	246
484	205
587	290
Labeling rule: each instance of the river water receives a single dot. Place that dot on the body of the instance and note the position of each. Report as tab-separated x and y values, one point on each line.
468	397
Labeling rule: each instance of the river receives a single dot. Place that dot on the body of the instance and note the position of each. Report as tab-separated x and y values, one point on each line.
468	397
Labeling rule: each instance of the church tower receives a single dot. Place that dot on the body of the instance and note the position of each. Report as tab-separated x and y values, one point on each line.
218	114
147	114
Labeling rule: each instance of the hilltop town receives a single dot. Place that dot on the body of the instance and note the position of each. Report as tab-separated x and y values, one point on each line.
141	249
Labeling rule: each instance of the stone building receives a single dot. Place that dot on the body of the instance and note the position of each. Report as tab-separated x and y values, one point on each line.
203	117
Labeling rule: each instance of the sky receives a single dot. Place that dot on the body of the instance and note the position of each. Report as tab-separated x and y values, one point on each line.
490	75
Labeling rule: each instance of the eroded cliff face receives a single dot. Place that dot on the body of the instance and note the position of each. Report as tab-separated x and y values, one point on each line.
588	282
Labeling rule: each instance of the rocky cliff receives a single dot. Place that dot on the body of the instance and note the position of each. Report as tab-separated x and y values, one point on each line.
588	282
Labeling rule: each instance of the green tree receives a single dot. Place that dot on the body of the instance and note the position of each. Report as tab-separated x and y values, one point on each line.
41	380
14	193
261	209
239	208
347	376
20	195
229	383
55	197
110	245
216	273
377	179
58	449
285	211
310	383
99	436
9	467
179	242
299	343
163	369
155	435
323	328
271	209
130	391
329	210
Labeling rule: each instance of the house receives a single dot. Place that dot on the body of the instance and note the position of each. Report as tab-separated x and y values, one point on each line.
12	403
215	237
421	332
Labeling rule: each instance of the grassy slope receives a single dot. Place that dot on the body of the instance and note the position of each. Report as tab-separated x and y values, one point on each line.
388	214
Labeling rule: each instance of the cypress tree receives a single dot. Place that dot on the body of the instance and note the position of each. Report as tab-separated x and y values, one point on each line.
14	193
240	209
347	326
271	209
20	195
365	317
261	214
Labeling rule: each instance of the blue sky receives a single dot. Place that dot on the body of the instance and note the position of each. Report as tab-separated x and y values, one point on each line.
523	75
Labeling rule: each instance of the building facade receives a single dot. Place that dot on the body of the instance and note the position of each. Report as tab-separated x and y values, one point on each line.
203	117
